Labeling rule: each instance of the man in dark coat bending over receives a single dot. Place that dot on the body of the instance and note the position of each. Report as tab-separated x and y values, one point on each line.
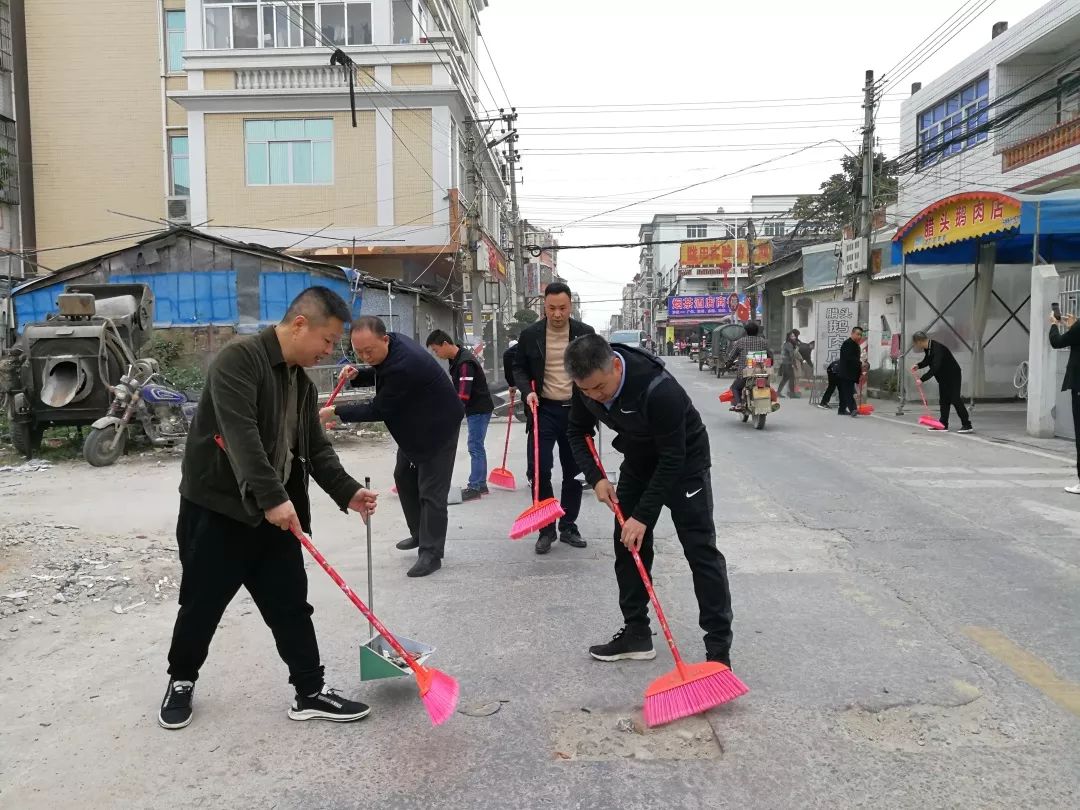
666	462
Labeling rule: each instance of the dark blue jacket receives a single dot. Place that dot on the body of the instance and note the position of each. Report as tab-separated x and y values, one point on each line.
413	396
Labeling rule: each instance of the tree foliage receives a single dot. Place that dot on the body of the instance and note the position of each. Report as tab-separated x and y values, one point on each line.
836	204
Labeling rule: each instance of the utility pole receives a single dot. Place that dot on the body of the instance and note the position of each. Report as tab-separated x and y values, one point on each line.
866	224
512	157
476	210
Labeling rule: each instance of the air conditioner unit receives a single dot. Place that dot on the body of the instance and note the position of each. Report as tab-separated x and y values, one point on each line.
178	210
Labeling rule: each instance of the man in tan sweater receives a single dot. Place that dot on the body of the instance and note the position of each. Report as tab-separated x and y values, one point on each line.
539	360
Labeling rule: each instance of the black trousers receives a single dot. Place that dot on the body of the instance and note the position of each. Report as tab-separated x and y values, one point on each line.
218	555
949	396
830	389
423	487
553	422
691	506
787	377
1076	425
847	396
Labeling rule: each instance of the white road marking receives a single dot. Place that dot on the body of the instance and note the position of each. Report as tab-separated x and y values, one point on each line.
991	483
970	470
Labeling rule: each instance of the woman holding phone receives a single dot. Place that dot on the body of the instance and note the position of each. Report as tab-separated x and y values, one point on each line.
1065	334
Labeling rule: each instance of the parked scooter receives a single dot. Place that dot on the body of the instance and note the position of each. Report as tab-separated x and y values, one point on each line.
143	401
759	399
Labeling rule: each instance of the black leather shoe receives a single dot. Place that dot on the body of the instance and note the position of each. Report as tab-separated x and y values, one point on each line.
544	541
572	537
426	564
719	658
408	544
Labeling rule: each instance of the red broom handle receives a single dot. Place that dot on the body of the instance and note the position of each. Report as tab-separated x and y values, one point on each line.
642	572
509	424
321	560
337	390
536	448
922	393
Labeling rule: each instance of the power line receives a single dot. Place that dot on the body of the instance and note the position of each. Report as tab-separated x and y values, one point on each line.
887	76
747	104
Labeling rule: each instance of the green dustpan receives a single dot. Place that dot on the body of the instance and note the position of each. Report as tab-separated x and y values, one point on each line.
377	658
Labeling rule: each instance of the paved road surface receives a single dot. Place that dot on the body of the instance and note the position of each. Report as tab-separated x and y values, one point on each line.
907	617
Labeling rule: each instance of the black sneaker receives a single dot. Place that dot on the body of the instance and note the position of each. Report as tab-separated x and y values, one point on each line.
470	494
572	537
719	658
627	644
967	429
426	563
176	707
544	541
484	489
327	705
408	544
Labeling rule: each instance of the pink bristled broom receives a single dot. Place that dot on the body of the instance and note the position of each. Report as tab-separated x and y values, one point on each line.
926	419
438	691
691	688
542	512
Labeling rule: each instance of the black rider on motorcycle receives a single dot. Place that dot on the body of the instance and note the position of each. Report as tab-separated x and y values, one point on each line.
752	342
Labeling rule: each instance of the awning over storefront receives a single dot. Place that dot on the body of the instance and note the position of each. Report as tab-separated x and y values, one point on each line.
1021	226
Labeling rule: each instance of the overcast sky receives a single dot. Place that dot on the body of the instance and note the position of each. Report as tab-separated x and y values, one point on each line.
704	90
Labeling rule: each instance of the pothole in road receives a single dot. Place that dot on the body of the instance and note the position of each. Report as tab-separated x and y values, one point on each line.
922	727
606	736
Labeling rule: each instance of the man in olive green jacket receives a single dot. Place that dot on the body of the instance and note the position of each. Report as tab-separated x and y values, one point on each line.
253	445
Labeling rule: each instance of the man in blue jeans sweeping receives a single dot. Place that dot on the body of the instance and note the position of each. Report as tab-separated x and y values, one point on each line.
472	389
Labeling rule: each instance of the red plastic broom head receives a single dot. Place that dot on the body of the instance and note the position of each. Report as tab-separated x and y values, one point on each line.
928	421
865	409
726	396
439	692
689	690
502	478
540	514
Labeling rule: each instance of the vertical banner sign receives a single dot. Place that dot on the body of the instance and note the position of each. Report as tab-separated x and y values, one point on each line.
835	320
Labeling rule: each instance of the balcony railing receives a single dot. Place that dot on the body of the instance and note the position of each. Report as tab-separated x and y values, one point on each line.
1061	137
294	78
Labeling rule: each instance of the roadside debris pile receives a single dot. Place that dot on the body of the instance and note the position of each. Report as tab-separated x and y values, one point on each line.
50	568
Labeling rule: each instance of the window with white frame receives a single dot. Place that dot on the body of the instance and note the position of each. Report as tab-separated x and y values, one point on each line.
402	22
696	231
953	125
277	24
179	174
289	152
774	229
175	36
1068	101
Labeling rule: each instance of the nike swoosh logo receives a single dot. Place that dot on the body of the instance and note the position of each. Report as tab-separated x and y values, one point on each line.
626	411
692	494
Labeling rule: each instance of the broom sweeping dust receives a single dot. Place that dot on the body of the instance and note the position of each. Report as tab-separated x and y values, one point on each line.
691	688
926	419
542	512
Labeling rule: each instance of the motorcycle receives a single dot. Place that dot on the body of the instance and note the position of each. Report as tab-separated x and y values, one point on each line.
143	400
759	399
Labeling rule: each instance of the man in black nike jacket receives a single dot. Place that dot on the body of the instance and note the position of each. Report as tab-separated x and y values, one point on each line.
666	461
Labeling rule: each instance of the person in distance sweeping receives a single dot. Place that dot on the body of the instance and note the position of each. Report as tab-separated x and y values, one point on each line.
471	383
944	367
1070	339
423	413
539	359
253	443
849	372
666	461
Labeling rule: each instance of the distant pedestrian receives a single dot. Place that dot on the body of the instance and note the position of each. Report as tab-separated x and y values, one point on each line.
471	383
670	348
832	373
789	358
539	362
423	413
850	371
943	367
1070	339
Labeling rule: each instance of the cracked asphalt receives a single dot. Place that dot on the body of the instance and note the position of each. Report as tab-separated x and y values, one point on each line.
906	616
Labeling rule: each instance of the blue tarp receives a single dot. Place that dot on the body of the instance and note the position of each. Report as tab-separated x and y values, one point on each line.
1056	216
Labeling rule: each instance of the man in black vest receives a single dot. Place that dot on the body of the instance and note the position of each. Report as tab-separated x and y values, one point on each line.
539	361
943	366
1070	339
471	384
423	413
666	461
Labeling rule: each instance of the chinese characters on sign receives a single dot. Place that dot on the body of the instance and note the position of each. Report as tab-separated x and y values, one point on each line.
722	253
962	219
835	320
690	306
